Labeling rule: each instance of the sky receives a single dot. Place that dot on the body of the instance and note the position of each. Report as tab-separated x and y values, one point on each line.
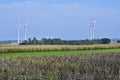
65	19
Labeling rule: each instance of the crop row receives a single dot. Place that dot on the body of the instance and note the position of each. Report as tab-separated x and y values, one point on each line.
42	48
73	67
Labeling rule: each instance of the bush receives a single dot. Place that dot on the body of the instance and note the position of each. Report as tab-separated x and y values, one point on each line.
105	41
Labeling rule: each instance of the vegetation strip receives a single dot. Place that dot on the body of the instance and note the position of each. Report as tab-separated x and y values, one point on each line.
56	53
46	48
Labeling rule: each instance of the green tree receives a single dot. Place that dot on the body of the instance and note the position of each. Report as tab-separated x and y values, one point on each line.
105	41
43	41
29	41
34	41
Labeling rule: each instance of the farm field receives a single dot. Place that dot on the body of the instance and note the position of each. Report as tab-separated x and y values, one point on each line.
47	48
57	53
54	50
96	62
69	67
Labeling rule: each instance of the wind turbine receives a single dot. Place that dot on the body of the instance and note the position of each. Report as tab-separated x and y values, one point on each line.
92	25
25	29
18	25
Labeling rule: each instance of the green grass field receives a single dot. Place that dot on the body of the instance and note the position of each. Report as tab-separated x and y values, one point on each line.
55	53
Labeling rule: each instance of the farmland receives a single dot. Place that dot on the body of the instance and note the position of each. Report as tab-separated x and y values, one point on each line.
60	62
70	67
45	48
56	53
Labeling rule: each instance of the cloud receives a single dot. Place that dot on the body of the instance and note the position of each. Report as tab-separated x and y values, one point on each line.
66	9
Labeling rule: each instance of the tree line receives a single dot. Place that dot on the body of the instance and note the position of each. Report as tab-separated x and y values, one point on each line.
8	41
57	41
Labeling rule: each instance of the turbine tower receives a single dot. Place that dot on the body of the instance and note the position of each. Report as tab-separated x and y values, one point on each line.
18	25
92	25
25	29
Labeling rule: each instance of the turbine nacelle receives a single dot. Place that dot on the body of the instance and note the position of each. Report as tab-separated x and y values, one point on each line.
92	24
25	26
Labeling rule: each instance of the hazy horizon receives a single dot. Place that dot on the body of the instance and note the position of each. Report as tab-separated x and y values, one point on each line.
67	19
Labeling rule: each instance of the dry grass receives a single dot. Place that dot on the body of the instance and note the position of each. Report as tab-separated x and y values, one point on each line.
41	48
